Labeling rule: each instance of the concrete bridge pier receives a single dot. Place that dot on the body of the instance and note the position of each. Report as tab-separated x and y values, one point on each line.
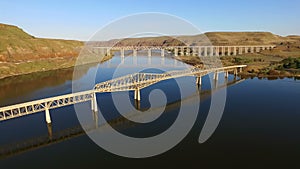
257	49
199	51
175	51
194	51
228	51
182	51
217	51
95	118
240	50
188	51
234	51
47	115
246	49
252	49
205	51
211	51
94	104
199	80
216	75
223	51
134	52
226	74
235	72
108	53
122	52
137	94
162	52
149	52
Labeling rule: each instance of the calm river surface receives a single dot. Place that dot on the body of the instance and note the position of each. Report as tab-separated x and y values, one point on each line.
260	126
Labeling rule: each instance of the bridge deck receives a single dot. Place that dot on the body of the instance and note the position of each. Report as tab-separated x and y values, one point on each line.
134	81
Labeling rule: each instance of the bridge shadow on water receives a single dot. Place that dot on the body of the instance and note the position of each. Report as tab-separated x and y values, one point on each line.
119	123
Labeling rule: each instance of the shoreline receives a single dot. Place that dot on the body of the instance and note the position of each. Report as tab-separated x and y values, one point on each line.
67	59
243	74
194	61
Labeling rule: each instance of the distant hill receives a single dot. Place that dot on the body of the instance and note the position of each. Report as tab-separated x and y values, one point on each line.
210	38
17	45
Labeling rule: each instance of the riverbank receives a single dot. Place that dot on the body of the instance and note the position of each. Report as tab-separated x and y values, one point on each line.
10	69
258	65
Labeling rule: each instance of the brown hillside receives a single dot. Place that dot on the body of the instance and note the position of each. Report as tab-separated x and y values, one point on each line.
17	45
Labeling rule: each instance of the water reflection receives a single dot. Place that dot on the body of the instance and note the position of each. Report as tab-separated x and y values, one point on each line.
16	87
119	123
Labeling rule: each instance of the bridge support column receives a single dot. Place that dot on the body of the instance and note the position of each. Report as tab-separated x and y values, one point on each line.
182	51
188	51
234	51
223	51
175	51
194	51
149	52
199	51
94	104
257	49
134	52
216	76
217	51
198	80
137	94
108	52
205	51
122	52
162	52
226	74
246	49
47	115
211	51
240	69
228	51
240	50
235	72
252	49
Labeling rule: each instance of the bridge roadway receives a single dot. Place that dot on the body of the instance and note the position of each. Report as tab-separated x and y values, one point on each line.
136	82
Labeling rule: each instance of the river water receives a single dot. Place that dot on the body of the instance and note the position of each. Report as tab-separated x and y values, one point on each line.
260	125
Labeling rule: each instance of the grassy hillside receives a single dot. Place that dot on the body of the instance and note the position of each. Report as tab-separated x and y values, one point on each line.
16	45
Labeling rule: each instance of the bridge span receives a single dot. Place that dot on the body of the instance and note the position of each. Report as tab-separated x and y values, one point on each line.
135	82
185	50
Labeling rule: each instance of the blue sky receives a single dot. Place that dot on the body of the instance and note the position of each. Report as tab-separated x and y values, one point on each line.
81	19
